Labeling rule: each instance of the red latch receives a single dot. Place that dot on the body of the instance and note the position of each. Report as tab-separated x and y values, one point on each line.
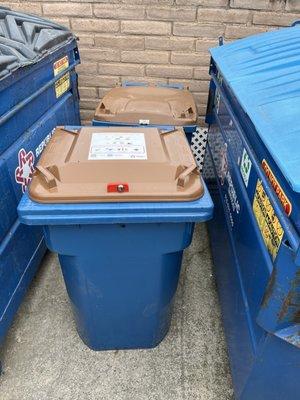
117	187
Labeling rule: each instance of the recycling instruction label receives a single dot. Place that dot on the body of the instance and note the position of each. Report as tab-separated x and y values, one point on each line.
245	167
268	222
62	85
118	146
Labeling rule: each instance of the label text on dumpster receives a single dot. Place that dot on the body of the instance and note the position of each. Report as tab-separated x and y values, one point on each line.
268	222
43	144
62	85
284	200
245	167
60	65
118	146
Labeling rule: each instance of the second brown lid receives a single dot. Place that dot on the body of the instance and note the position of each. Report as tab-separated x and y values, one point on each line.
115	165
148	106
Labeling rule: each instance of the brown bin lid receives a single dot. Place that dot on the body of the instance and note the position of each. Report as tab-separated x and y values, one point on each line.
115	164
148	105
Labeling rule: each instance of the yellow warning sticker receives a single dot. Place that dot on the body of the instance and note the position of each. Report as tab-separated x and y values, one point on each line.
60	65
62	85
267	220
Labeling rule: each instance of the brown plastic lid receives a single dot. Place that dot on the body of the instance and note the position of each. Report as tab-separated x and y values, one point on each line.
148	106
115	165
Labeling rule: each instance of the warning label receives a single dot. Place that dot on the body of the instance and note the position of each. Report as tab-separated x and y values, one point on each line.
267	220
116	146
286	204
62	85
60	65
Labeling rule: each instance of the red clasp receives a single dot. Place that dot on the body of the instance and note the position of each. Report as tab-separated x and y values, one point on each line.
118	187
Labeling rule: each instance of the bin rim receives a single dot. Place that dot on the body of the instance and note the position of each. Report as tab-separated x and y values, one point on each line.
33	213
98	122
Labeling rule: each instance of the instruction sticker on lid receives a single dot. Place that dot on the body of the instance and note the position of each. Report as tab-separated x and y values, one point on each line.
118	146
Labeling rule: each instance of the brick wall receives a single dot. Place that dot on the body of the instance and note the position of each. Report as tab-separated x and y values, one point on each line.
155	40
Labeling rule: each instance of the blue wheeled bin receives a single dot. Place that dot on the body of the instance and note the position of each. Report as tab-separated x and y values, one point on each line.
137	103
38	90
254	150
118	205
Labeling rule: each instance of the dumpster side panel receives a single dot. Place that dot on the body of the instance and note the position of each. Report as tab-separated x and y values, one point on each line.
20	254
32	91
275	373
290	199
234	315
21	157
257	359
22	247
258	282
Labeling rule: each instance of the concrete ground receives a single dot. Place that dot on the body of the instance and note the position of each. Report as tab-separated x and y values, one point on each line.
44	359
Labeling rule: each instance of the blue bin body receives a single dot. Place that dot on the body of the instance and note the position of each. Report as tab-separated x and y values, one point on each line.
121	264
30	108
188	129
253	147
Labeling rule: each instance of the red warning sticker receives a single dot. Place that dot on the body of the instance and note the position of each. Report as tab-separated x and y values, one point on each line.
284	200
25	169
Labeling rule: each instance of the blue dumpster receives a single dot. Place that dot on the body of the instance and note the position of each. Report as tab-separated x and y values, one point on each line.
254	151
118	205
38	90
137	103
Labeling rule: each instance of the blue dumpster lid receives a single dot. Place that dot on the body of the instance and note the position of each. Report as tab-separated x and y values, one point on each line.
264	73
25	39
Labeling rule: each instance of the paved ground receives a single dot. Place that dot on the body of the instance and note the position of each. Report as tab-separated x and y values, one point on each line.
44	359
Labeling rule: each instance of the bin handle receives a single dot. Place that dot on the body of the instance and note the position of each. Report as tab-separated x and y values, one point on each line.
179	86
48	176
182	178
75	132
289	229
165	132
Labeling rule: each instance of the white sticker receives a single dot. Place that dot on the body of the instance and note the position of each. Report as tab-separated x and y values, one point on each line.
118	146
245	167
144	121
